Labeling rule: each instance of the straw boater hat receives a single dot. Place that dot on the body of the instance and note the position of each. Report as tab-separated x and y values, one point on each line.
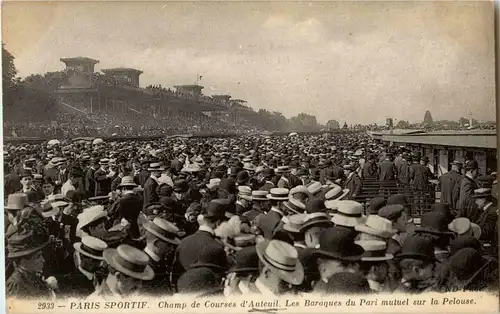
295	205
283	169
293	223
349	214
278	194
240	241
282	259
130	261
316	219
300	189
104	161
163	230
245	192
50	209
336	193
89	215
374	251
249	167
156	167
127	181
91	247
462	225
314	187
377	226
17	201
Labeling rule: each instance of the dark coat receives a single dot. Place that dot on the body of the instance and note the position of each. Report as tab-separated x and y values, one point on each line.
12	184
90	183
404	173
22	284
267	186
269	222
386	171
129	207
188	251
176	165
52	173
467	187
488	221
450	191
354	185
419	177
369	170
75	284
160	285
103	183
142	177
150	193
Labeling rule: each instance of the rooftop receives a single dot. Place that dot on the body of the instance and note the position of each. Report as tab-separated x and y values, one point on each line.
189	86
79	59
121	69
473	138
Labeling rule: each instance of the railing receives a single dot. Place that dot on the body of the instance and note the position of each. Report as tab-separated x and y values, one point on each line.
419	202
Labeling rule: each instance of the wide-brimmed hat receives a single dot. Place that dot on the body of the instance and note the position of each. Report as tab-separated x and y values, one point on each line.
27	242
282	259
245	192
482	193
17	201
127	181
374	250
349	214
50	209
338	243
278	194
377	226
89	215
246	260
295	205
156	166
300	189
434	223
214	209
240	241
335	192
314	187
417	247
130	261
163	229
462	225
258	195
457	163
316	219
104	161
91	247
213	183
283	169
293	223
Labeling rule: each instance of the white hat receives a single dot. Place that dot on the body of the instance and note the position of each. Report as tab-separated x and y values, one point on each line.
374	250
213	183
336	193
278	194
314	187
91	247
377	226
349	214
245	192
463	225
90	215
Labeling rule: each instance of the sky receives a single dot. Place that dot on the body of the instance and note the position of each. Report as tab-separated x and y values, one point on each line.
359	62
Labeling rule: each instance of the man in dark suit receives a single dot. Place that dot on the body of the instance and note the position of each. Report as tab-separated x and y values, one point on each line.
150	193
177	164
488	218
270	221
369	168
144	174
90	183
267	175
450	185
190	248
12	183
468	184
353	182
386	173
128	207
102	179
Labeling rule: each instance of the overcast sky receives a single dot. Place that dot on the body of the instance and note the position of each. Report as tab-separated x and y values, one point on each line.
356	62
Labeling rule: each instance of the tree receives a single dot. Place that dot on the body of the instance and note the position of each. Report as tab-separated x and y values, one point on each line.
402	124
304	122
9	71
333	125
428	118
463	121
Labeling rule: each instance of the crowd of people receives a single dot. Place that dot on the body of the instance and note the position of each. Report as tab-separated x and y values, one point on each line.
232	216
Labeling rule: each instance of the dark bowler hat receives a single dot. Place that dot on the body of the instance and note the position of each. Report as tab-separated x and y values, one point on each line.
434	223
199	280
337	243
91	247
25	173
391	212
397	199
242	177
181	185
130	261
315	205
27	242
268	172
347	283
246	260
213	209
163	230
471	165
376	204
417	247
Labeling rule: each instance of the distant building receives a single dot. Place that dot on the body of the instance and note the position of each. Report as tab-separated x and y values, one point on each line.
193	90
124	75
80	70
223	98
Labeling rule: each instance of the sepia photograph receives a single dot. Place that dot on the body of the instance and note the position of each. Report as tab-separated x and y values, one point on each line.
249	156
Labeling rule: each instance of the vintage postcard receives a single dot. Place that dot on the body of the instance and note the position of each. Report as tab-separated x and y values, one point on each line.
239	157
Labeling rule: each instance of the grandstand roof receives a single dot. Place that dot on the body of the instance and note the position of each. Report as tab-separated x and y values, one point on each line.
189	86
79	59
121	69
474	138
